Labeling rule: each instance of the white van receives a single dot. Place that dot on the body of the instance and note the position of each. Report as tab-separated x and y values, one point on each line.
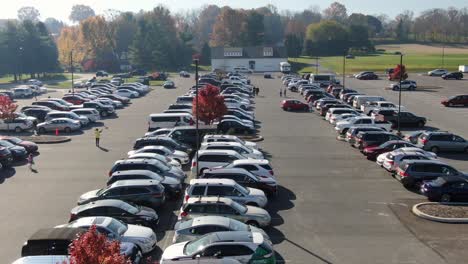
22	92
242	69
169	120
285	67
362	99
322	79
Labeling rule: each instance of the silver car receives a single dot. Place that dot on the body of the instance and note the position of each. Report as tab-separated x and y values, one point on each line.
221	206
91	113
62	124
197	227
442	141
59	114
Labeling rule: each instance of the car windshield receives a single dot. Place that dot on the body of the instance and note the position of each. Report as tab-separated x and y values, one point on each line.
242	189
15	140
130	208
240	208
235	225
6	144
162	166
117	227
196	245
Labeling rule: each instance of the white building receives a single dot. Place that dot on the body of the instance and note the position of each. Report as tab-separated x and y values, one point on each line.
257	59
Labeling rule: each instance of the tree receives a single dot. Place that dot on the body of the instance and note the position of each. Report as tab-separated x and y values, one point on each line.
229	28
7	108
80	13
210	104
400	70
326	38
28	13
293	45
203	25
95	248
336	11
255	29
53	25
205	58
68	41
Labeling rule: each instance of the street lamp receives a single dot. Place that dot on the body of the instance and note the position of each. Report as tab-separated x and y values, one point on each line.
20	50
344	68
196	114
399	93
71	69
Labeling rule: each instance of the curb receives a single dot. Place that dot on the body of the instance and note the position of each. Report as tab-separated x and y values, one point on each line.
47	139
418	213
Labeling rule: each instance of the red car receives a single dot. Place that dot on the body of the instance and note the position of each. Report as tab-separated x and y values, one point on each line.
372	152
74	99
294	105
461	99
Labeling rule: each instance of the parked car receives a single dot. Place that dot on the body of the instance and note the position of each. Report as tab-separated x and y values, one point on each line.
30	146
245	247
184	74
142	192
457	100
168	84
406	84
118	209
453	75
353	131
102	74
171	185
194	228
22	92
179	156
74	99
90	113
222	206
235	126
84	121
371	152
212	187
62	124
436	141
169	120
372	138
446	189
406	118
208	159
167	161
161	141
235	146
392	160
50	241
16	124
153	165
414	172
6	157
294	105
367	76
437	72
53	105
228	138
382	157
359	121
38	113
17	152
126	93
104	110
188	134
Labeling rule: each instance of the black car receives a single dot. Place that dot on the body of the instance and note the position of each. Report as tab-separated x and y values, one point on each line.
373	138
235	126
239	114
161	141
118	209
188	134
179	106
103	110
6	158
38	113
446	189
406	118
453	75
367	76
102	74
138	72
17	152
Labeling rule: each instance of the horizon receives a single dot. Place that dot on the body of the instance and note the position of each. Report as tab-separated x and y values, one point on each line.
61	10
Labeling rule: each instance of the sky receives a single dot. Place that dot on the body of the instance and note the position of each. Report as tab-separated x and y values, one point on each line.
60	9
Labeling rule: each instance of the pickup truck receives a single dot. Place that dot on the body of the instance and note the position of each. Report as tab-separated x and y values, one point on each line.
343	126
17	124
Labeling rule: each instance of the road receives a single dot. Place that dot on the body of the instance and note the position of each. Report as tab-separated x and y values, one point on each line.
334	206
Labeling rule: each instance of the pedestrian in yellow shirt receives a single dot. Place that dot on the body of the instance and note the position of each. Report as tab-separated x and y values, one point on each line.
97	135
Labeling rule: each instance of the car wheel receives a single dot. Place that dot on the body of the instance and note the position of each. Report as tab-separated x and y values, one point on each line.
450	104
466	150
421	124
203	171
253	223
18	129
435	149
104	113
178	160
288	108
41	130
67	130
445	198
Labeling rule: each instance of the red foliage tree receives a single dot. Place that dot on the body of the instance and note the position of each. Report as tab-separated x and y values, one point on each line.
399	70
7	108
95	248
210	104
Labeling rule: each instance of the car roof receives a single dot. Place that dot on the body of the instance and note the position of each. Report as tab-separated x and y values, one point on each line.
134	183
251	161
64	118
136	161
217	143
134	172
65	233
100	203
212	181
92	220
206	199
425	161
217	152
211	220
228	171
233	236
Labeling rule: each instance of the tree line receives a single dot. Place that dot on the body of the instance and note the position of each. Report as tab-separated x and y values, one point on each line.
161	40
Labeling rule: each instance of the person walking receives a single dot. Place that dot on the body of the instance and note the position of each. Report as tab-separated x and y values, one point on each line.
281	92
97	135
257	90
285	89
30	160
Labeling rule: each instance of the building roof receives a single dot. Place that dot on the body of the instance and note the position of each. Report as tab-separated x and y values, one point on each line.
248	52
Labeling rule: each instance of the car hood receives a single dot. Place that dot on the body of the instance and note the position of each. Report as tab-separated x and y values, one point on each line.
256	192
131	152
179	153
252	145
148	212
259	230
174	251
17	149
135	232
256	211
171	181
88	196
342	123
176	170
173	175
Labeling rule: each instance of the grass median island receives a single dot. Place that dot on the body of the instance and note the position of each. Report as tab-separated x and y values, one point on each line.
417	58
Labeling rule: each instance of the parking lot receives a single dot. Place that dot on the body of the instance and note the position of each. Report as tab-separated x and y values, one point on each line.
334	206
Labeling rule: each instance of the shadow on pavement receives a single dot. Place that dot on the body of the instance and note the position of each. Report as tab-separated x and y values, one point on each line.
6	173
309	251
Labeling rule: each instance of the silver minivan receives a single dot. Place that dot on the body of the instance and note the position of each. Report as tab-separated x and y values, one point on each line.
226	188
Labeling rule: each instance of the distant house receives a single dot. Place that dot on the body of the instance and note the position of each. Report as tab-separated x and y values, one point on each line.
256	59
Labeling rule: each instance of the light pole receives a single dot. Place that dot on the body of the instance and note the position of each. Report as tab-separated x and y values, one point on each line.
443	55
316	65
196	114
71	69
344	68
399	92
20	49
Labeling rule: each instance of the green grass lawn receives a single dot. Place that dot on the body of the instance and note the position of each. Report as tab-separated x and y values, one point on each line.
413	62
49	77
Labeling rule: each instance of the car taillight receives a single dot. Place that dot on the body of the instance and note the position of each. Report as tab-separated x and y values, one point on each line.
403	173
72	217
391	162
110	173
194	164
424	141
271	172
187	197
183	214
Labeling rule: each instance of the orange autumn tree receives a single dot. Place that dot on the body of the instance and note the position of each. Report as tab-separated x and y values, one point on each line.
399	70
210	104
95	248
7	108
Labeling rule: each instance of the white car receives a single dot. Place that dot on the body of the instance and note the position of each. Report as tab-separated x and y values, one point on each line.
369	106
235	146
405	85
159	132
208	159
244	121
337	118
232	103
392	160
432	155
167	161
114	229
229	138
126	93
437	72
177	155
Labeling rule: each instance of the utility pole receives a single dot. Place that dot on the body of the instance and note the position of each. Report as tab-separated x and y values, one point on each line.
71	69
196	114
316	65
344	68
399	93
443	55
